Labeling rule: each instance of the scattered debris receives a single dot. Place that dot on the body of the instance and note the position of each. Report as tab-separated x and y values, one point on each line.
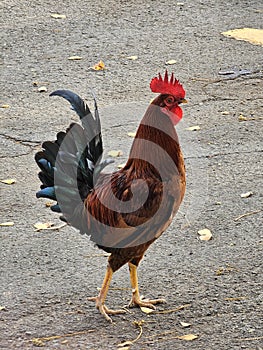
7	223
48	226
133	58
99	66
235	299
226	270
119	166
170	62
205	234
5	106
126	345
252	35
57	16
247	214
146	310
115	153
131	134
42	89
246	195
185	325
75	58
41	341
193	128
8	181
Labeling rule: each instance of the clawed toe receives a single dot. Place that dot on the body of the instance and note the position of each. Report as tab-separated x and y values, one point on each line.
149	303
104	310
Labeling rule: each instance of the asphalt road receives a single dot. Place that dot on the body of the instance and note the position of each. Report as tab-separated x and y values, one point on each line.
46	276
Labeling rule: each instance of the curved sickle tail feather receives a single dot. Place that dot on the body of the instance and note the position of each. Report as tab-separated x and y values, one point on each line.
71	164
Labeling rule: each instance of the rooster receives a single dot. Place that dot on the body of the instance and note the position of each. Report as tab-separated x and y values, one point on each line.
126	211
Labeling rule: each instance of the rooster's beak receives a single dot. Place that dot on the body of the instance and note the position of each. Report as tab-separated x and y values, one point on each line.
183	101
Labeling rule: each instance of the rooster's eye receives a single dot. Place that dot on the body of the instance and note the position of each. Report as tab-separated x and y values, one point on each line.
169	100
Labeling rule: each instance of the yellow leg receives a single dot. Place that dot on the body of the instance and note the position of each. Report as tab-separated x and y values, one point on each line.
136	299
100	299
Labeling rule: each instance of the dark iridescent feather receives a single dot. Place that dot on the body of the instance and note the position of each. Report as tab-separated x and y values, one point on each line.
71	164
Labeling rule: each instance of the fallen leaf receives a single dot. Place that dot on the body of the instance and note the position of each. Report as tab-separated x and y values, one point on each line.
49	204
115	153
5	106
42	226
57	16
2	308
131	134
246	195
99	66
205	234
252	35
42	89
133	58
170	62
75	58
121	165
8	181
242	118
185	325
188	337
225	113
7	223
193	128
146	310
38	342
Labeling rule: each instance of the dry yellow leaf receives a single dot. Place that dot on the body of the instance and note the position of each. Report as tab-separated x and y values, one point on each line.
8	181
242	118
7	223
188	337
146	310
193	128
170	62
246	195
57	16
99	66
5	106
131	134
74	58
185	325
115	153
205	234
252	35
42	226
133	58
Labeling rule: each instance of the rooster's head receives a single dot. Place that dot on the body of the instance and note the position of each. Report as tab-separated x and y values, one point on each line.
171	95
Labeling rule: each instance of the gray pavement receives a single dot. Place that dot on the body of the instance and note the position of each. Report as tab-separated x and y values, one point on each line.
46	276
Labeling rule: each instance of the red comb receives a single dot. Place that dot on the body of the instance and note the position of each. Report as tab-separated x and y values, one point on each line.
166	87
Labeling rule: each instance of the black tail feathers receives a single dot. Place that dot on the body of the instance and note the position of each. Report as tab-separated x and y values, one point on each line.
71	164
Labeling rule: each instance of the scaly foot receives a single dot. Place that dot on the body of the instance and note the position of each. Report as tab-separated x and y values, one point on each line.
104	310
150	303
